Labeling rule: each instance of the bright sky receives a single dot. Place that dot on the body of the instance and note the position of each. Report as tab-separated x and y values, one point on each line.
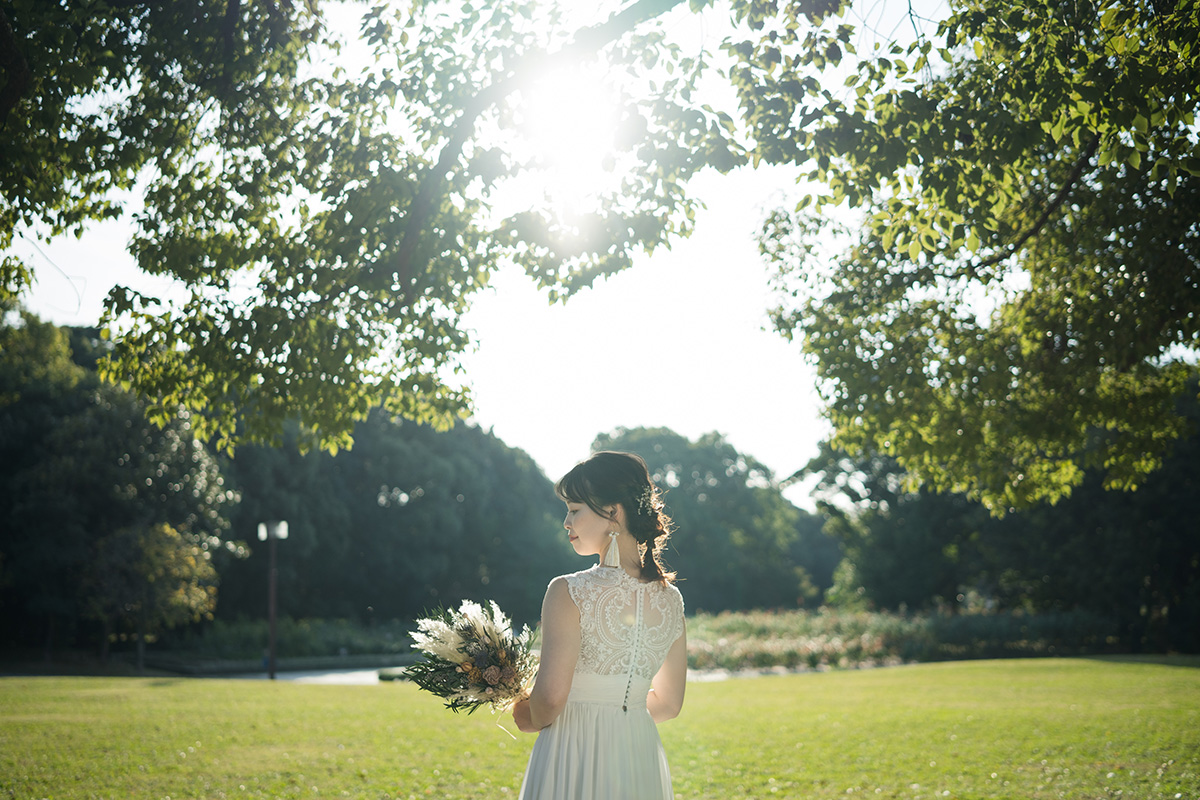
681	340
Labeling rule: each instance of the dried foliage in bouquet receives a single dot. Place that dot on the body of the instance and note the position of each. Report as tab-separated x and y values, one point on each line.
473	658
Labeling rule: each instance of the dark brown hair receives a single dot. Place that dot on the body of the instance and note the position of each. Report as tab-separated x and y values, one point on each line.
610	478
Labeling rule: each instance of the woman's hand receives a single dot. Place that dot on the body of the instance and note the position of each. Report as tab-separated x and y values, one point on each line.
523	717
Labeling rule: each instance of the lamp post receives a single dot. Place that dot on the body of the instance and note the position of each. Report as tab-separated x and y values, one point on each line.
269	532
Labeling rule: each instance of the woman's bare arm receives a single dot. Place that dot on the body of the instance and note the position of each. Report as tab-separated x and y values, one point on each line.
666	690
560	652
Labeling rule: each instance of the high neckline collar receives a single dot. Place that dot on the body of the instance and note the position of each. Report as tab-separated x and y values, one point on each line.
620	572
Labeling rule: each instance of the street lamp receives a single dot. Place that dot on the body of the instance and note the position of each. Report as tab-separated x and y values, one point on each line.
270	531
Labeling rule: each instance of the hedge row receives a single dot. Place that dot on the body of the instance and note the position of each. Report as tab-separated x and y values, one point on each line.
829	638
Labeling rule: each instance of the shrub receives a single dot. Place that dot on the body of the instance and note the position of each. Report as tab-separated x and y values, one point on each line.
833	638
247	639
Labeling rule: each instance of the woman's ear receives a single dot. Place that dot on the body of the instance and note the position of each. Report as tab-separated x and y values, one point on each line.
616	513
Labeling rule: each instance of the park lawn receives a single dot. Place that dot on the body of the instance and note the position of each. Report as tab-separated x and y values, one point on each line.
1046	728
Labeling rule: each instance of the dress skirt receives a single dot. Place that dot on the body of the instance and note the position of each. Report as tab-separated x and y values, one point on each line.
596	750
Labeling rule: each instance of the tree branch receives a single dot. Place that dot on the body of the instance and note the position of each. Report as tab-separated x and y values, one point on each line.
586	40
1059	199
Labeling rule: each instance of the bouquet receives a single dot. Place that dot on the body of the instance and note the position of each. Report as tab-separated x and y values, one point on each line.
472	658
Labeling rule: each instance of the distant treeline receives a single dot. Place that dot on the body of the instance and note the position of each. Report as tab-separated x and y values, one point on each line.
1129	557
102	511
412	517
115	530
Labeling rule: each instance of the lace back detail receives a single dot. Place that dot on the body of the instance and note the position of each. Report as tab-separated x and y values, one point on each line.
627	626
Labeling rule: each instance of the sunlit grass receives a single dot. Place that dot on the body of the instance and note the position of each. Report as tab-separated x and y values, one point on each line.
1003	729
1006	729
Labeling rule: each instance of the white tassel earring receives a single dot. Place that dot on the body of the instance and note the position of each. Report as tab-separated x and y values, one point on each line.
612	556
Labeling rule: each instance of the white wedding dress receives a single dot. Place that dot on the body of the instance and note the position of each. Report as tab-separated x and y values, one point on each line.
604	745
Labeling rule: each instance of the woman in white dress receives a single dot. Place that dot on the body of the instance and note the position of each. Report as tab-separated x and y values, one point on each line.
614	650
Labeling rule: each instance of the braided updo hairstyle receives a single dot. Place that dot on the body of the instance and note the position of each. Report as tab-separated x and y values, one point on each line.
609	478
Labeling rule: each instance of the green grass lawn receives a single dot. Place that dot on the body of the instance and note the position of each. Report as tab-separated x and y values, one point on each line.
1073	728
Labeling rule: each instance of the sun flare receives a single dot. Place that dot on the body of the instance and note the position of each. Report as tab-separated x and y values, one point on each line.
564	127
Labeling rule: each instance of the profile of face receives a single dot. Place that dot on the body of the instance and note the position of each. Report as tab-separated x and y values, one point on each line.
586	529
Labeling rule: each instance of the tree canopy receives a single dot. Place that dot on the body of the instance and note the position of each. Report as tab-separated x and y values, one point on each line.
327	225
1131	558
1018	299
110	525
409	519
102	514
412	517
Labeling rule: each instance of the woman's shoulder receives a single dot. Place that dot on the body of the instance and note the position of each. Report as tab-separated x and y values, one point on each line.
671	590
667	590
606	576
574	578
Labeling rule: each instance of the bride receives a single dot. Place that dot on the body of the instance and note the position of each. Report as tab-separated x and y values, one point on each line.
614	649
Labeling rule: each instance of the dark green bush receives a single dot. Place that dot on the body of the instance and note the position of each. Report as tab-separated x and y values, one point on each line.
247	639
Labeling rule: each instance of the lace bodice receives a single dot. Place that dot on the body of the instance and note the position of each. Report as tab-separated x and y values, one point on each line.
627	626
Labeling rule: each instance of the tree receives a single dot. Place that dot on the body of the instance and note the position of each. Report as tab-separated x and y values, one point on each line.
1015	307
39	389
1131	556
1128	557
408	519
904	548
741	544
329	228
1019	295
87	480
148	578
